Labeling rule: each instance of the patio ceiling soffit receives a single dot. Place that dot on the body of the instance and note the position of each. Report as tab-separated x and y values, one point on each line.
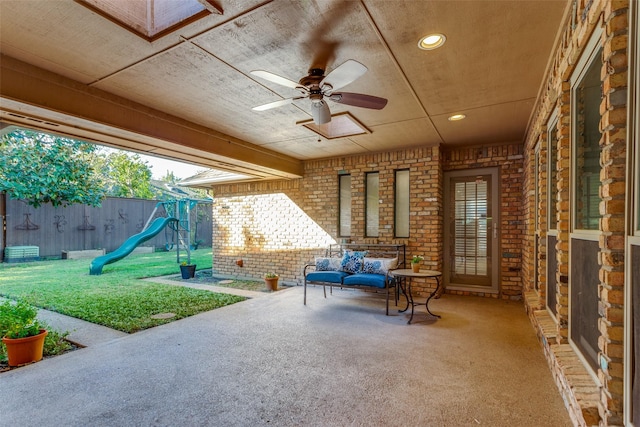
39	99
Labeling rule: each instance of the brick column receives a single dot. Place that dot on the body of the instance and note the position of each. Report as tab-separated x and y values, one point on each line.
542	213
563	206
613	110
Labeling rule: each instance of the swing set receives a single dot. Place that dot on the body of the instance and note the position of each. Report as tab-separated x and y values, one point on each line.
179	233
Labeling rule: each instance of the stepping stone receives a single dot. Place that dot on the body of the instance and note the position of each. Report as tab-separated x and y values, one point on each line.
163	316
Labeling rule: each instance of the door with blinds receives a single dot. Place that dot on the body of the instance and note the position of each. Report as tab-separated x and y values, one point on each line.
471	230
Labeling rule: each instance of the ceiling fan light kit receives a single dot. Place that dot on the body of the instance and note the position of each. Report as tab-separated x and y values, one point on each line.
320	112
316	86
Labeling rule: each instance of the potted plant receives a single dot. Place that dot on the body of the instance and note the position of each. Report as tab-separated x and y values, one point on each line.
415	263
188	271
271	280
22	334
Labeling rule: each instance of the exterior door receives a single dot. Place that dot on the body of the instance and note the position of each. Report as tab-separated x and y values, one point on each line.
471	230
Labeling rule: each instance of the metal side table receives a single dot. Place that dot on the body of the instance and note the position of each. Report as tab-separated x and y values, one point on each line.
410	274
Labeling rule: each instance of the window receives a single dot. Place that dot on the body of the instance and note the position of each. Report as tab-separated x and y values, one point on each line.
372	205
584	265
552	174
344	218
552	215
632	297
402	203
587	95
471	197
536	179
633	343
538	165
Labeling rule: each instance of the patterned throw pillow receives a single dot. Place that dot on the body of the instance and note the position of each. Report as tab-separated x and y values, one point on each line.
353	261
379	265
328	264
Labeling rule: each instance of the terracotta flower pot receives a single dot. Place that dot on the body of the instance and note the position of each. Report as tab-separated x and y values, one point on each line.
272	283
25	350
416	267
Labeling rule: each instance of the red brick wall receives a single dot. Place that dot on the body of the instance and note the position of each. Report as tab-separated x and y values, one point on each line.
263	225
590	403
509	158
282	225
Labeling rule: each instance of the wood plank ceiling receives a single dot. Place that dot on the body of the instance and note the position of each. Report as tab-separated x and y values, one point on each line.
189	94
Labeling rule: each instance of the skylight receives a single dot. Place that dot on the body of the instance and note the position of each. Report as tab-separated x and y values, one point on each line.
340	126
152	19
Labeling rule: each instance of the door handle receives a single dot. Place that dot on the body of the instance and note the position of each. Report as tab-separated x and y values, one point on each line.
494	224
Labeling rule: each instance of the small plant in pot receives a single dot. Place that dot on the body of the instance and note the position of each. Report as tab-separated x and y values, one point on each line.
22	334
188	271
271	280
415	263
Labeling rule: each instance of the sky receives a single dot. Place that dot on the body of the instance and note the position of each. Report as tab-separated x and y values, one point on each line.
159	167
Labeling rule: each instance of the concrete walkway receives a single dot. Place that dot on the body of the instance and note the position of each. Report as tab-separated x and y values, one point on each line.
212	288
273	361
80	332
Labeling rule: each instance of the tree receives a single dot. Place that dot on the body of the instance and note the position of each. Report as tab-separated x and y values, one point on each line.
126	175
170	177
194	193
41	168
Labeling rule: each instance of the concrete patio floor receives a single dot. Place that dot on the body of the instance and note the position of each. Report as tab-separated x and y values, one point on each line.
273	361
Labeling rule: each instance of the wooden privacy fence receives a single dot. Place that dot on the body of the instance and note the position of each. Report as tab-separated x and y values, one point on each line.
81	227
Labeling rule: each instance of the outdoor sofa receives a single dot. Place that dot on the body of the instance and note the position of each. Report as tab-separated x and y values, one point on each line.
359	266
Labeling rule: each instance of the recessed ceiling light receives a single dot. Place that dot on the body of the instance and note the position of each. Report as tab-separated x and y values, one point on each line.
432	41
456	117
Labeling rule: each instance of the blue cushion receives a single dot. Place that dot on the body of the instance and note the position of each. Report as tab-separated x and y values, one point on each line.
366	279
353	261
326	276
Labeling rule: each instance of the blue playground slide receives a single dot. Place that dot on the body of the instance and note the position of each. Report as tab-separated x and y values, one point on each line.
129	245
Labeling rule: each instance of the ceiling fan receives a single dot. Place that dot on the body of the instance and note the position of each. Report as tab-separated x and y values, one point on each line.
316	86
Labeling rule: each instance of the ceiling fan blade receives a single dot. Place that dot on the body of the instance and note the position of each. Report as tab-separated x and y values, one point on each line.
320	112
276	78
325	52
344	74
319	41
359	100
275	104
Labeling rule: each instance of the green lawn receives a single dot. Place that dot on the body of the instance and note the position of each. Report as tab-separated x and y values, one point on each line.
116	298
